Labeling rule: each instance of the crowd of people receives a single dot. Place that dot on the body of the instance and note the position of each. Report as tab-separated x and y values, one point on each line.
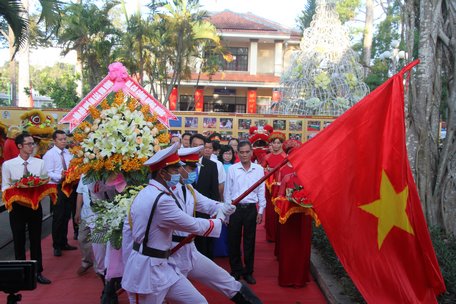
193	183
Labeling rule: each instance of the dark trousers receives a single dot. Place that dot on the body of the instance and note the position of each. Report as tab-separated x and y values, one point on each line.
20	218
242	226
205	245
60	219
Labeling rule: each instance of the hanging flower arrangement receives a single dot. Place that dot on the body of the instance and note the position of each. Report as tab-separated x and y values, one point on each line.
113	146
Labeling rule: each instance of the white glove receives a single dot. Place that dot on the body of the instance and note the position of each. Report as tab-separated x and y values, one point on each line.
228	208
220	215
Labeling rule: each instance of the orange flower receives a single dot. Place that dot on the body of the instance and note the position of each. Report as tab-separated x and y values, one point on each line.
83	125
145	109
160	126
104	104
94	113
79	137
132	103
98	165
118	99
109	164
163	138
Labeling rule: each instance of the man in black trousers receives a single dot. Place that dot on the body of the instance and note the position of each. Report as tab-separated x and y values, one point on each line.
243	222
207	184
22	216
57	160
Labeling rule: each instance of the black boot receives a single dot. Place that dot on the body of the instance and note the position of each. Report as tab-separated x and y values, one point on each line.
246	296
109	295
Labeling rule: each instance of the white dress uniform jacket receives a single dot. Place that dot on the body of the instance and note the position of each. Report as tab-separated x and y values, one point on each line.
149	275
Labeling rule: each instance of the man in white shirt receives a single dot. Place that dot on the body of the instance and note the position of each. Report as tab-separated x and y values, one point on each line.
22	216
243	222
57	161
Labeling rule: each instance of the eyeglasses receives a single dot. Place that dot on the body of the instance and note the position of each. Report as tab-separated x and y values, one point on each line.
29	144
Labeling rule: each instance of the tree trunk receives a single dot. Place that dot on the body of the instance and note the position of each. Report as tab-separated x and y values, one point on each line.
446	177
434	160
79	65
12	68
24	65
368	34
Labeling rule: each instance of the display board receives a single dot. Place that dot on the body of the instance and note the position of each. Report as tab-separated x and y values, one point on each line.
229	125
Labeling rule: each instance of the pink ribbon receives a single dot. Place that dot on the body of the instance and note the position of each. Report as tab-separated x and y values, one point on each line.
117	74
118	181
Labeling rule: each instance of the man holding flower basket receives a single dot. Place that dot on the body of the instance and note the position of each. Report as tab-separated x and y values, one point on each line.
24	180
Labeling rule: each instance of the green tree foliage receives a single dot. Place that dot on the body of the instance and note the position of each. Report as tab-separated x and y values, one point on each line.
307	14
88	30
57	82
345	8
387	30
12	15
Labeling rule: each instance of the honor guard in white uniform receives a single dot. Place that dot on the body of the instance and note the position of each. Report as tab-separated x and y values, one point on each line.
150	274
190	261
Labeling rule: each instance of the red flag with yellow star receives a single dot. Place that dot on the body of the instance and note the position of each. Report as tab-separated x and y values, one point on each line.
357	175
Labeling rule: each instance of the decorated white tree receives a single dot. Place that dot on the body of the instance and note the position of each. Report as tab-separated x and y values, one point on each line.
324	78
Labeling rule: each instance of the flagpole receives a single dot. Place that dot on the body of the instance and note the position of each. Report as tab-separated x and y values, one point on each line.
190	237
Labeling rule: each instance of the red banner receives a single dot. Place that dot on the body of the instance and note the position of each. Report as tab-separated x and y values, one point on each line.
105	87
199	100
251	101
173	99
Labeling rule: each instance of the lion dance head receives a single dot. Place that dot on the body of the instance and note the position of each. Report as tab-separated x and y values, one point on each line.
41	126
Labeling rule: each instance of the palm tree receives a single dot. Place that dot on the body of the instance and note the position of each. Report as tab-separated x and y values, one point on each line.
188	30
14	26
13	16
88	30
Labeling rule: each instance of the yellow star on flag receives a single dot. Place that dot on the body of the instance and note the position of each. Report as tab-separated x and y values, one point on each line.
389	209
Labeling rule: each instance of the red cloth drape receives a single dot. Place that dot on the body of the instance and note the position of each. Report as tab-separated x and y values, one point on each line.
29	197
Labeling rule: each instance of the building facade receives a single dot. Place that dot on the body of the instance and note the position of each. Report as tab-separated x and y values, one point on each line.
261	50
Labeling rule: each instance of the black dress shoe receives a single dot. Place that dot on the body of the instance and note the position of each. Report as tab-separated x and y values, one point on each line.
249	279
69	247
42	279
57	252
236	276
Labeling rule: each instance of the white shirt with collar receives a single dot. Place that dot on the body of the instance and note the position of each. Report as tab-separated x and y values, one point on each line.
238	180
13	170
53	162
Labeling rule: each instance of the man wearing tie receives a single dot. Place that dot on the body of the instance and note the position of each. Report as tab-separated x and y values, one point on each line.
57	160
22	216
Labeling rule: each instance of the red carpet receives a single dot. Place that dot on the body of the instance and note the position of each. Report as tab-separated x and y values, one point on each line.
67	287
